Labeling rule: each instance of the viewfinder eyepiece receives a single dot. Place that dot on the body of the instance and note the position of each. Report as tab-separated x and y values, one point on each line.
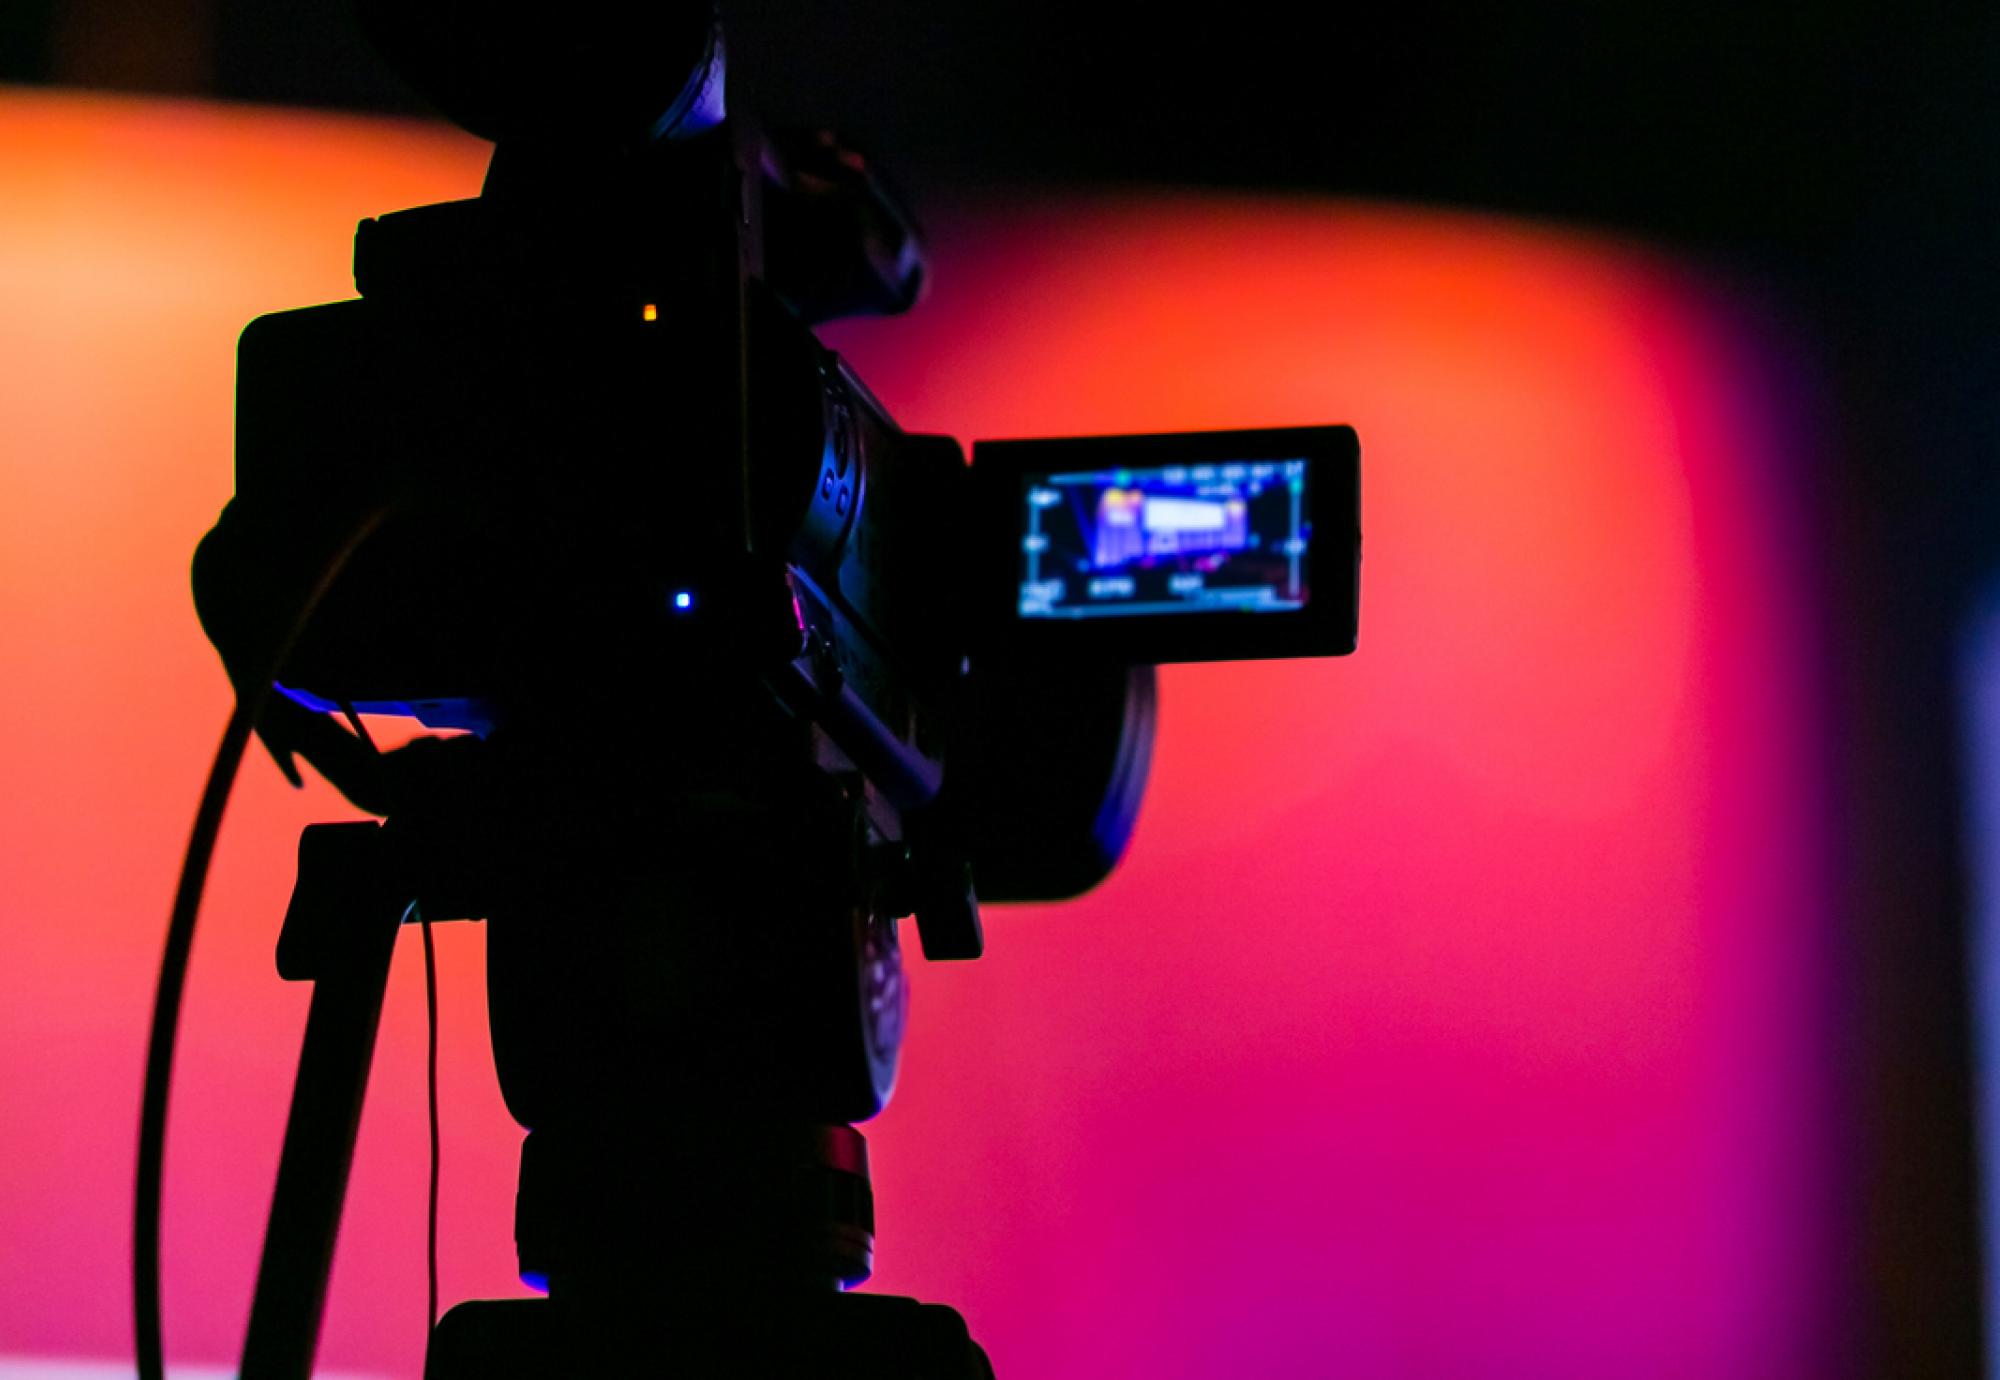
589	71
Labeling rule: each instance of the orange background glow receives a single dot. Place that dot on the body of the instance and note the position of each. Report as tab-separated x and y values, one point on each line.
1459	1009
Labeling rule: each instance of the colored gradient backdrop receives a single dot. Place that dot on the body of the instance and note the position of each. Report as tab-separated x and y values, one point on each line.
1460	1007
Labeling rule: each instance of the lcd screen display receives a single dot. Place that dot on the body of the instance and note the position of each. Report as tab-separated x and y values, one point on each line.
1231	536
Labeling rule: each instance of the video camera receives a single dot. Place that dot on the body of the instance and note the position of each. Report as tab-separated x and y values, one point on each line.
615	452
744	673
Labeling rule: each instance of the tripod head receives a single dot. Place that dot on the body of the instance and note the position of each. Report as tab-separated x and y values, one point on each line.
749	672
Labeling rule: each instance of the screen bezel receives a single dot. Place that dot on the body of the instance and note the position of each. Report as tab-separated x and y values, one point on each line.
1326	626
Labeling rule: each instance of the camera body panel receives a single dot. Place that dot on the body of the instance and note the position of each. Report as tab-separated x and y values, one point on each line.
615	463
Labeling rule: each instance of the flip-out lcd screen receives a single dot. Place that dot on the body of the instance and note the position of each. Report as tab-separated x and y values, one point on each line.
1194	546
1232	535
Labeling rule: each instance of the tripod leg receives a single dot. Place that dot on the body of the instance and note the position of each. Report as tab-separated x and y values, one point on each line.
340	932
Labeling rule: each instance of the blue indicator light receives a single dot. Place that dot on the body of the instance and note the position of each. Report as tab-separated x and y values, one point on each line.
683	600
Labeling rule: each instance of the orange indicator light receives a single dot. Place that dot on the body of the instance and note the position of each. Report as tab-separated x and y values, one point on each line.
650	311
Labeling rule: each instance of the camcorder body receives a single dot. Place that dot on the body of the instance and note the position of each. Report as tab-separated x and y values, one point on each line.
617	462
743	672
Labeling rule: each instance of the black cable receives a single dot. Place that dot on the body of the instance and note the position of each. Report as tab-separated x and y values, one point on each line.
173	974
431	1009
360	728
160	1045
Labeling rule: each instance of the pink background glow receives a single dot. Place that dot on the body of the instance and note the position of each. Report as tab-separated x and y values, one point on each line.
1457	1011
